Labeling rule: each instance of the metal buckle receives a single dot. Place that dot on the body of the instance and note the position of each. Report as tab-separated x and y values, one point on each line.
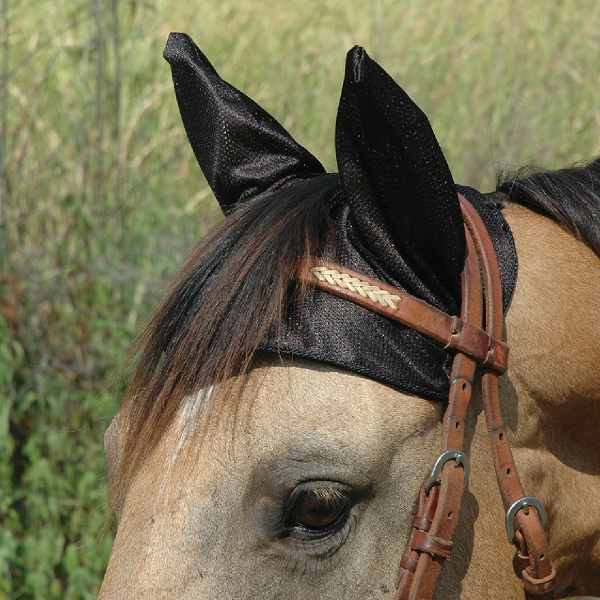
516	507
459	457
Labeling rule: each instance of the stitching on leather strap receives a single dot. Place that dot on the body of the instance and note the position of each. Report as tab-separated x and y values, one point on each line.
355	284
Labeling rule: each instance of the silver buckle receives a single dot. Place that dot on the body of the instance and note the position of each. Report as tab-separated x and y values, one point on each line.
459	457
516	507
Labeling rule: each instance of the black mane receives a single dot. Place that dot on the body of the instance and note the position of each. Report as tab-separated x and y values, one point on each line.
571	196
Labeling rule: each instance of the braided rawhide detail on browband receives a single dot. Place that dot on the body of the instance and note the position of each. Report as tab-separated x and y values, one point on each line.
355	284
430	542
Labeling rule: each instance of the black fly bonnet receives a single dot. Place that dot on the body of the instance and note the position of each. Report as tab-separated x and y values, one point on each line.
395	212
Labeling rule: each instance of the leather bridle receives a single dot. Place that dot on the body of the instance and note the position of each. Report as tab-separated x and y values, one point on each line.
476	345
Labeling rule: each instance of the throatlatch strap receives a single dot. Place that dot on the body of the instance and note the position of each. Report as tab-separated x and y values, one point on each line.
440	499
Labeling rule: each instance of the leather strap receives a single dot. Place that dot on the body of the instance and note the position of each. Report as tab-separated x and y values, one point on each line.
537	571
444	504
438	507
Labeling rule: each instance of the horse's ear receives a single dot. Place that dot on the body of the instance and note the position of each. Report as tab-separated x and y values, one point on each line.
242	150
397	182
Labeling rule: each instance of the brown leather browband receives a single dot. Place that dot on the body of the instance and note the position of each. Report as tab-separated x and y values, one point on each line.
440	498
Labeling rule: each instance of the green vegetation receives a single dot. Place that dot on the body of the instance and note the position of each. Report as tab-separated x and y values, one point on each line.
100	196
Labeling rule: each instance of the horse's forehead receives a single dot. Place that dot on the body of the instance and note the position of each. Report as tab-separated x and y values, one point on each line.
289	413
295	422
292	397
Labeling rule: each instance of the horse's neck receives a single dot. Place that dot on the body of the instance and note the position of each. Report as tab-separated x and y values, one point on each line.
551	399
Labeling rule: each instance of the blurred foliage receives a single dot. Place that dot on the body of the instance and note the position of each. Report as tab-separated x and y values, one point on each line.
100	196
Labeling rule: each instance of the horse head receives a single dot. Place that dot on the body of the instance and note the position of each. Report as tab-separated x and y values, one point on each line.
276	436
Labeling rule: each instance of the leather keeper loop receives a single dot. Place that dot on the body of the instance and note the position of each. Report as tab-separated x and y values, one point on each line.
423	542
497	357
422	523
408	563
476	343
537	587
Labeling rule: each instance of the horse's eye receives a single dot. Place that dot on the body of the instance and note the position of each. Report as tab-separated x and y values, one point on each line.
319	509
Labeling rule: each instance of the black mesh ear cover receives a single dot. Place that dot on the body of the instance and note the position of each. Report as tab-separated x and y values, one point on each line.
242	150
396	218
395	212
398	185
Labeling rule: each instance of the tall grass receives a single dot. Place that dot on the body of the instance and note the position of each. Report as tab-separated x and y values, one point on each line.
100	196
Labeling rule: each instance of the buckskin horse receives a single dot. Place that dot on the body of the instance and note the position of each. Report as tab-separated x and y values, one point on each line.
281	435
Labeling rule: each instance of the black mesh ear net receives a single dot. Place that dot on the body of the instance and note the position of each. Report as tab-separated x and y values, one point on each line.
242	150
396	216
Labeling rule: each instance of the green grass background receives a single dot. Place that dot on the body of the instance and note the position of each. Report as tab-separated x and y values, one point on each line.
100	196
